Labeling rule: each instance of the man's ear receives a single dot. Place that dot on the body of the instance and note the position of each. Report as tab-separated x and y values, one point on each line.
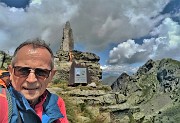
10	69
53	71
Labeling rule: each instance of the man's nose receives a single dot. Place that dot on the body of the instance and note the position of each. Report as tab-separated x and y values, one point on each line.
31	77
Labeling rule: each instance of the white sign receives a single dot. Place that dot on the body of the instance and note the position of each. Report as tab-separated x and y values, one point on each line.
80	75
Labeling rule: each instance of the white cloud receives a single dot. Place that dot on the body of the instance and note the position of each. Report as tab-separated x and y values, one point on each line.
123	52
119	69
166	44
94	23
35	2
44	20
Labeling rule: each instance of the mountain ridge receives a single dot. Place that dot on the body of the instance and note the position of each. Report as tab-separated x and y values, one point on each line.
154	87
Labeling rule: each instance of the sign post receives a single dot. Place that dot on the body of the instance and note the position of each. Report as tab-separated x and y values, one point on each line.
79	74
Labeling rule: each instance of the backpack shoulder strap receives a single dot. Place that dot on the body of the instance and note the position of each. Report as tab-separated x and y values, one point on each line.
6	102
9	104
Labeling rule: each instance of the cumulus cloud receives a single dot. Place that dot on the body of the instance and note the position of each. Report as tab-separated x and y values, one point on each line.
118	69
94	23
165	43
115	21
169	47
44	20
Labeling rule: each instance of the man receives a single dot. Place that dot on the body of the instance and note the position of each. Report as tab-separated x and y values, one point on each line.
4	78
31	69
4	82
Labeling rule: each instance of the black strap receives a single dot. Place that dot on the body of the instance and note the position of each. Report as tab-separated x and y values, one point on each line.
19	117
10	108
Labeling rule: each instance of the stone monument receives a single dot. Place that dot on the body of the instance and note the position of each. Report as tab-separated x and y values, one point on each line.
67	43
65	57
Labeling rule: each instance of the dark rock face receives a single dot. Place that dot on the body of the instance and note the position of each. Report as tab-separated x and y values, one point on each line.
124	84
77	55
85	56
168	75
121	83
166	72
146	67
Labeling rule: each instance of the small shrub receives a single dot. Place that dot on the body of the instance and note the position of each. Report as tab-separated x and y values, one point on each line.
98	119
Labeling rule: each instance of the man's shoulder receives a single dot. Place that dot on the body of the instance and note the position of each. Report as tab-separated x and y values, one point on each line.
54	98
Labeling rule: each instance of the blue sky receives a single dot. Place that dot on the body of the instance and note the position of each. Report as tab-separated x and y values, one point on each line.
16	3
124	33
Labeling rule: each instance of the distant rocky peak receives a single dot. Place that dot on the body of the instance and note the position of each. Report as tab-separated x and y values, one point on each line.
123	76
146	67
162	75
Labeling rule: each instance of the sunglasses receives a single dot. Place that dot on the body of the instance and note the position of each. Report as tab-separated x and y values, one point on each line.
25	71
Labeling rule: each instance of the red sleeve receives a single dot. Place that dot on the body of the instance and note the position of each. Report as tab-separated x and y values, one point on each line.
62	107
3	109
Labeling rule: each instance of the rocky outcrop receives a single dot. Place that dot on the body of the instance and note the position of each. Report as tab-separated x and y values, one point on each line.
91	60
163	74
146	67
154	87
150	95
66	55
122	84
99	102
168	75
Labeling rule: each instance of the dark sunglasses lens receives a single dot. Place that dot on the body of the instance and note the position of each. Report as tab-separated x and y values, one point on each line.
42	73
21	71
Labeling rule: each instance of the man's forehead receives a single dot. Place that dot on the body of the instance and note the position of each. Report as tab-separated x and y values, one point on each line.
32	50
29	53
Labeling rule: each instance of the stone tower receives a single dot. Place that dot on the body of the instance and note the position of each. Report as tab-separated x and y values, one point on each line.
67	43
